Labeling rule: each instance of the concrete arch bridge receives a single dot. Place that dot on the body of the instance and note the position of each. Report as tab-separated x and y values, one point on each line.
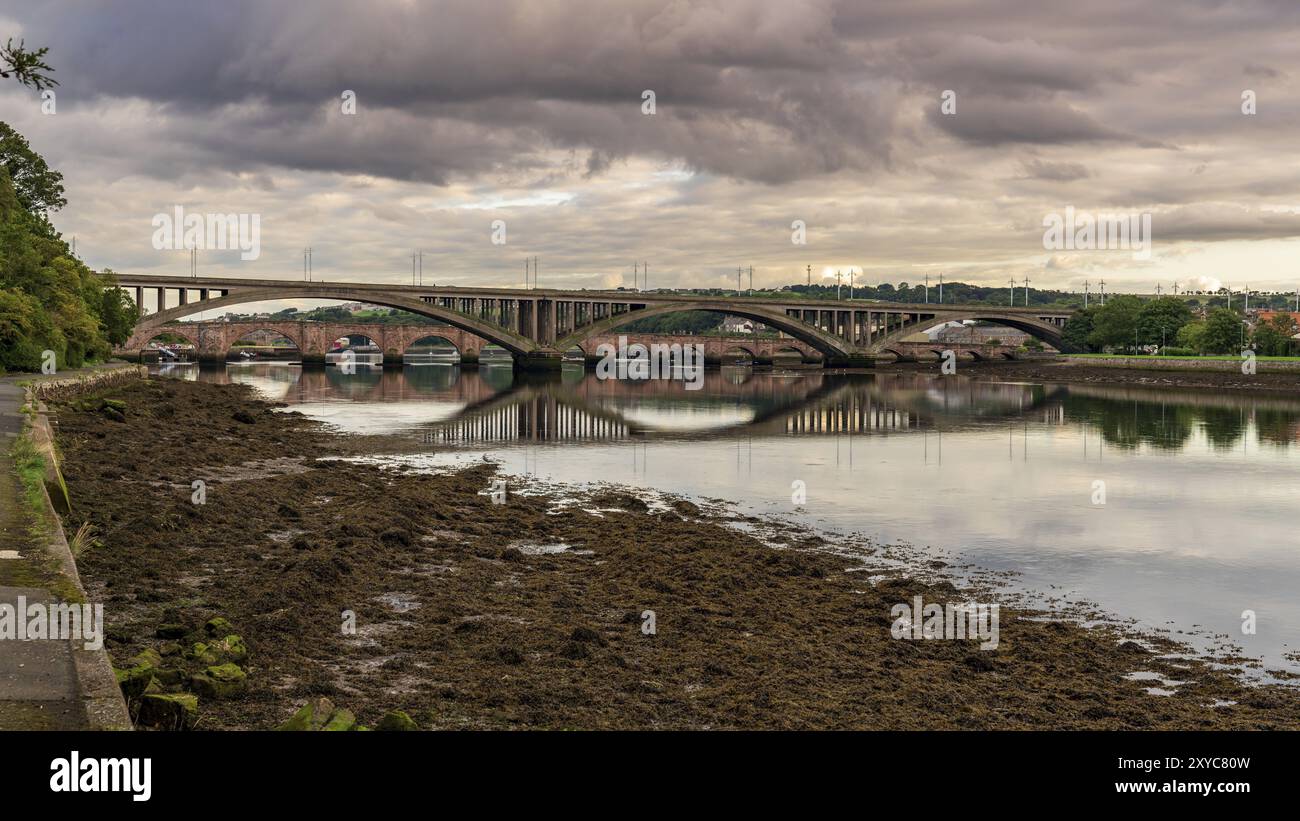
536	326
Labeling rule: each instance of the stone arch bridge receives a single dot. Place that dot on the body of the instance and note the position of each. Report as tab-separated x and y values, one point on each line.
538	325
213	340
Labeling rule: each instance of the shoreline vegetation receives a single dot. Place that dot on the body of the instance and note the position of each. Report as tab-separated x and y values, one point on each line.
531	614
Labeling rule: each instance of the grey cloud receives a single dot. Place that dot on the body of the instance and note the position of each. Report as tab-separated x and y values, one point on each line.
1056	171
1222	222
768	110
991	121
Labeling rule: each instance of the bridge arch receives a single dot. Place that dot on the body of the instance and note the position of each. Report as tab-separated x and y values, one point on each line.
172	330
785	353
829	345
411	351
235	335
379	343
901	354
510	341
1036	328
746	353
141	346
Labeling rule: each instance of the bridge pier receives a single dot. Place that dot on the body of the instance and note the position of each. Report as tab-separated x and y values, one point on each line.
853	360
539	361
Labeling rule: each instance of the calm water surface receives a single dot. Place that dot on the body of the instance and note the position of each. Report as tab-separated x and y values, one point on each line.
1200	515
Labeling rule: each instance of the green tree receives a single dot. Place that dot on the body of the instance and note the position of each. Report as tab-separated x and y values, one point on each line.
1115	323
1078	329
1192	335
39	189
1286	324
1159	320
118	315
1273	338
49	300
1222	333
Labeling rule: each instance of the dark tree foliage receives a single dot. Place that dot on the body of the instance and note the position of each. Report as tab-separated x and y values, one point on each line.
39	189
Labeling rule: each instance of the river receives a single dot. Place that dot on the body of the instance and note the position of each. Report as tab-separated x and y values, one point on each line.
1175	508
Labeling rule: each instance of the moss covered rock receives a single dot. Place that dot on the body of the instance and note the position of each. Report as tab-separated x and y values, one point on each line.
202	653
230	648
133	680
145	658
142	669
342	720
313	715
218	627
169	711
220	681
168	676
396	720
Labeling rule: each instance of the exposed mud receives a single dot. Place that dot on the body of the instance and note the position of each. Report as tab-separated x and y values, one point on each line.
476	615
1049	370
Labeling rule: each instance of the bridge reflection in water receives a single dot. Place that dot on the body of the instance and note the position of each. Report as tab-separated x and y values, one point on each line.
444	404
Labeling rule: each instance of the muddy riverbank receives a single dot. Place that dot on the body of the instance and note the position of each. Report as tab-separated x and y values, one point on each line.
1050	370
470	614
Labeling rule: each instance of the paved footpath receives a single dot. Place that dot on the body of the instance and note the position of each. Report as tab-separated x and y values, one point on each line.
38	679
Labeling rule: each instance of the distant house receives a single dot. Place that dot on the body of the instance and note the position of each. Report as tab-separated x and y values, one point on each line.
1266	315
740	325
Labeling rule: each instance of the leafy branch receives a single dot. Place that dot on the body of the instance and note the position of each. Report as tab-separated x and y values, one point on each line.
27	67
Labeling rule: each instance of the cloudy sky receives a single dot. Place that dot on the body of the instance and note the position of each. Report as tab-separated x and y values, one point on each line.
766	112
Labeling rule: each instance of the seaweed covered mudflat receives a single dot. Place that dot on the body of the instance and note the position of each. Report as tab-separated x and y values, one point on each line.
293	573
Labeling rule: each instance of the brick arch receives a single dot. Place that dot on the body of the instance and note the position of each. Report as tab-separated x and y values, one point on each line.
171	330
901	353
778	349
748	350
290	333
414	337
379	341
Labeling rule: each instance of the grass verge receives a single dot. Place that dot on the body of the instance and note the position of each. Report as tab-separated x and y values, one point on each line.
30	465
1221	357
